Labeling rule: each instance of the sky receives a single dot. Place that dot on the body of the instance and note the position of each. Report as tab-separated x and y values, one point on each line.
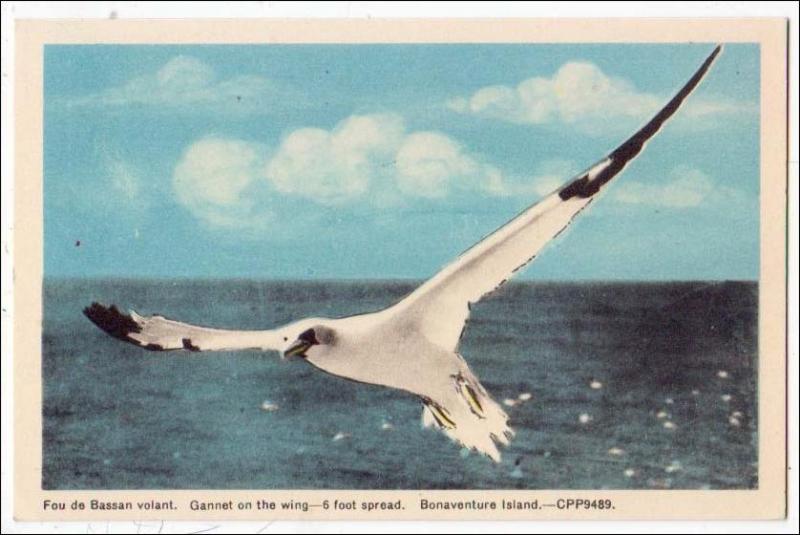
387	161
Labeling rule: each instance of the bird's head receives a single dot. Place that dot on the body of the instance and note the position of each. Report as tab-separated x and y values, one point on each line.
308	340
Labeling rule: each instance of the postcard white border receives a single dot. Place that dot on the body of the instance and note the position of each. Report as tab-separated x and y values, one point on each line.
763	31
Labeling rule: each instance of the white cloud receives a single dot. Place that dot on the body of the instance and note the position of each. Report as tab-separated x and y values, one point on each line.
372	156
427	163
215	179
124	178
185	81
372	159
579	94
331	167
363	159
684	187
122	186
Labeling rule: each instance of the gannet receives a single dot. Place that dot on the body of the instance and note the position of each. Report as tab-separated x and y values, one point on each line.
413	345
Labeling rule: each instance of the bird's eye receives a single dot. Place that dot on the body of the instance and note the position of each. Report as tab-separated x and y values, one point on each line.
285	339
309	336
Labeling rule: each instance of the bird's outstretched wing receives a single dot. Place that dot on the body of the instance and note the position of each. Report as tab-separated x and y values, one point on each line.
158	333
441	305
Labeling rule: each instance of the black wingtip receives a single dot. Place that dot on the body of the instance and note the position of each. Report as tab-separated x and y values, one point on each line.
585	187
188	345
112	321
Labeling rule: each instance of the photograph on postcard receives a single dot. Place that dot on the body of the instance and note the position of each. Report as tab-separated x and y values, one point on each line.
401	266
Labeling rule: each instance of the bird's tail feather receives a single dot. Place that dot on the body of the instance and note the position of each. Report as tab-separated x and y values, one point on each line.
471	418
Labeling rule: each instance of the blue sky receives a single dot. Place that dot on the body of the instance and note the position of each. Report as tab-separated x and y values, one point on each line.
386	161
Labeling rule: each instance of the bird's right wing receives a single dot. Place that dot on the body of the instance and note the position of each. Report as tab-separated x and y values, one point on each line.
440	307
157	333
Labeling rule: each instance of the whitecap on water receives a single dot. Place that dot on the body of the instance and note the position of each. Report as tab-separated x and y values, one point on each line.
340	436
726	397
268	406
734	421
584	418
669	401
722	374
674	466
525	396
662	414
596	385
387	426
616	451
629	472
508	402
669	425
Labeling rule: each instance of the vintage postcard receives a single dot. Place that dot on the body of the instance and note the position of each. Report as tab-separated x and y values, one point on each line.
411	269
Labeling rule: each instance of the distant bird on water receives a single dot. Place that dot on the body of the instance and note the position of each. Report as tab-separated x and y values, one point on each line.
414	344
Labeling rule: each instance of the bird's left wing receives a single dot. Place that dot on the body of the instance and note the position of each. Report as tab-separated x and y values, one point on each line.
440	307
157	333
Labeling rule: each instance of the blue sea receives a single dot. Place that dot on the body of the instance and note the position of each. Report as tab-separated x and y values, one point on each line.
608	386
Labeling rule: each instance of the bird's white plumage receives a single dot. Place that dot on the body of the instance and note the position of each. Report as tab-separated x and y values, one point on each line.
170	334
413	345
440	307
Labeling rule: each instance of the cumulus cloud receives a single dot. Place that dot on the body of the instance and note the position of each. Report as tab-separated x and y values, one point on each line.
579	94
337	165
427	162
374	160
372	156
684	187
363	159
214	180
237	185
185	82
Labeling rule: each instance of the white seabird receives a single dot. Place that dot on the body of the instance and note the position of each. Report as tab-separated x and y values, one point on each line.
414	344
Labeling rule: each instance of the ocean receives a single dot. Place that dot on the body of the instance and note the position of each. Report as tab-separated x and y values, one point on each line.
608	386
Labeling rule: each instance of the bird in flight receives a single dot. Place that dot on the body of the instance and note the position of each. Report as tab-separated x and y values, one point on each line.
413	345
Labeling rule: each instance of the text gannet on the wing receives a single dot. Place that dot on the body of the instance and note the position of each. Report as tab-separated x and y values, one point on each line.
414	344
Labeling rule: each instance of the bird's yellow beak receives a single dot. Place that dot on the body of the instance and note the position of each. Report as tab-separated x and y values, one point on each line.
298	348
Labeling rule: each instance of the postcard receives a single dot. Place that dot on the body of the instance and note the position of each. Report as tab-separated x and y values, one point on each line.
400	269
